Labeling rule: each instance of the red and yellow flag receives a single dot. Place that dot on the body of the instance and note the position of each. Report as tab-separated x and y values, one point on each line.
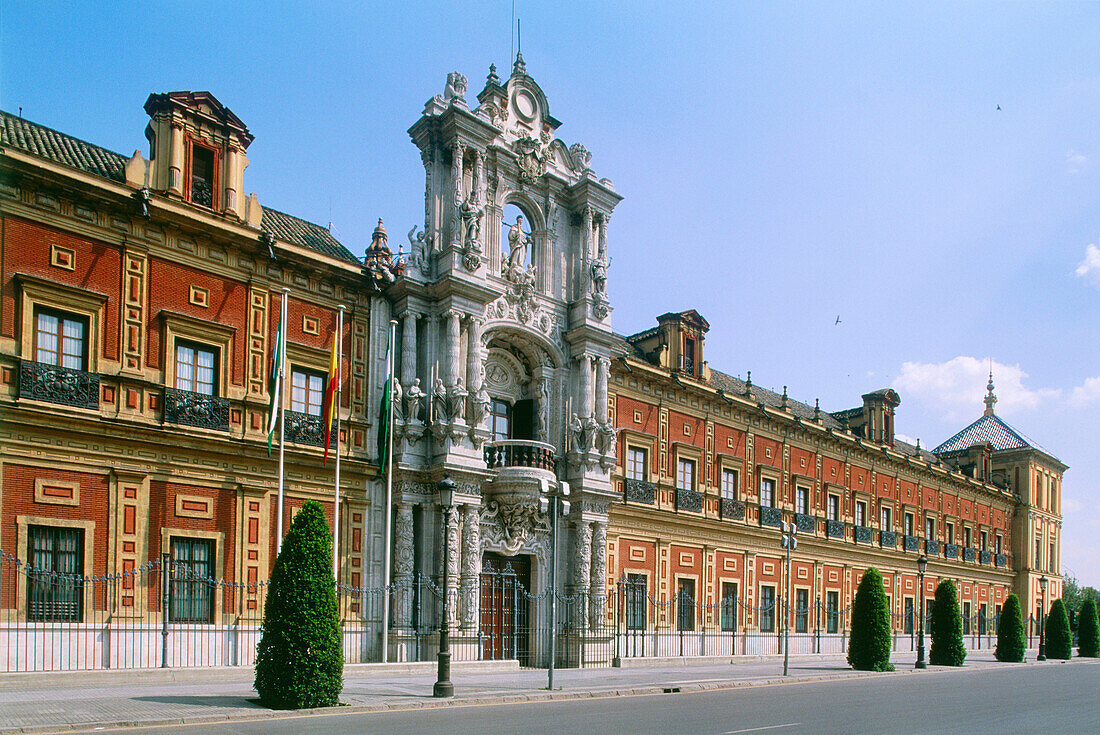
328	407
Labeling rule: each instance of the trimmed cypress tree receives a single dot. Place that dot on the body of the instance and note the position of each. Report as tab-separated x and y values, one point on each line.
300	660
1088	630
947	638
1059	639
869	643
1011	636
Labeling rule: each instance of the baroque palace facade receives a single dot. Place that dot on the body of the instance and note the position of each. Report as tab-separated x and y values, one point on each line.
139	309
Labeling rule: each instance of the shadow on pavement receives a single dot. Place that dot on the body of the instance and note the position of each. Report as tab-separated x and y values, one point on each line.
203	701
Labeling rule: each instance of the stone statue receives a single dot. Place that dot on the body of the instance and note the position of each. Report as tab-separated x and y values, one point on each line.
396	401
414	394
456	87
599	276
480	406
605	440
458	401
439	402
591	429
417	245
544	410
576	432
517	246
472	215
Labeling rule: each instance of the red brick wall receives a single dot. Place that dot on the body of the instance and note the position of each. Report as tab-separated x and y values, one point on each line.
162	513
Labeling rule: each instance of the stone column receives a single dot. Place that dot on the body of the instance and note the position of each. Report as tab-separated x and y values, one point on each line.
586	248
232	164
431	233
473	355
585	401
175	165
408	350
453	549
478	186
404	545
471	565
602	242
582	569
452	348
602	365
456	189
598	581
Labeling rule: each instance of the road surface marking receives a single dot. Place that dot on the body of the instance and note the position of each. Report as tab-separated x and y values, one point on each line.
766	727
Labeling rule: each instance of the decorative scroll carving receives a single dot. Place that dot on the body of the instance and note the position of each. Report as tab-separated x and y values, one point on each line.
531	158
516	521
304	428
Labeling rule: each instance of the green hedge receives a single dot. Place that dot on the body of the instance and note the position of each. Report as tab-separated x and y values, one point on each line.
947	638
1088	630
1059	639
869	643
300	660
1011	635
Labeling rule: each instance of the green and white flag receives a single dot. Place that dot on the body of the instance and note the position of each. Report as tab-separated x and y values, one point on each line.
274	383
384	413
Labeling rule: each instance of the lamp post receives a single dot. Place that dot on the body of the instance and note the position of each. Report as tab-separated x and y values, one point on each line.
1042	621
789	542
922	564
551	503
443	686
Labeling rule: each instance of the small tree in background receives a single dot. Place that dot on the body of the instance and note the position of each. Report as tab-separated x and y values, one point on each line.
1088	630
1011	636
300	659
1059	640
947	638
869	643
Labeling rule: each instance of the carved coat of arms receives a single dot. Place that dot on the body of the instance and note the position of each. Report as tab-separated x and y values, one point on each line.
531	157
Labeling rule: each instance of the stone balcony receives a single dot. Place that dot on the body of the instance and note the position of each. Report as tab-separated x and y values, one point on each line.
522	467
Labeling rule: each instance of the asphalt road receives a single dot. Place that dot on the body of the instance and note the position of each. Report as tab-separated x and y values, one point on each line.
1054	697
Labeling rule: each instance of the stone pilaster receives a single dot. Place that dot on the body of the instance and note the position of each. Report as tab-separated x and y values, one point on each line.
404	545
454	559
602	365
456	190
582	567
471	565
597	589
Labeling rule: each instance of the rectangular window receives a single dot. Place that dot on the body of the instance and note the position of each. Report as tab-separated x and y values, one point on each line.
729	606
500	419
1051	557
834	508
801	611
689	356
966	618
685	604
802	498
192	589
59	339
195	368
966	537
729	484
997	544
635	602
685	474
981	619
949	532
884	518
910	616
635	463
307	391
767	492
930	528
767	609
981	540
832	612
1038	553
909	524
861	513
202	176
55	561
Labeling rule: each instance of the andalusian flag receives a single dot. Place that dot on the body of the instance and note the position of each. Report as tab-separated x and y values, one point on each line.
274	383
384	413
328	407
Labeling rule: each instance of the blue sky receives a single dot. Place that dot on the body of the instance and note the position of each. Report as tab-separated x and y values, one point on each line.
782	163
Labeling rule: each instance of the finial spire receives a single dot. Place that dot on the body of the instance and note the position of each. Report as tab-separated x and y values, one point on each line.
519	67
492	78
990	398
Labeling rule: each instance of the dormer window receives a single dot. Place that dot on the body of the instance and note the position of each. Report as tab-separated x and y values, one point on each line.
201	174
689	356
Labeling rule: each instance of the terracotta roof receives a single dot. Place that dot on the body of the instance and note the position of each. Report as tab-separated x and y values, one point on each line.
41	141
60	148
990	428
291	229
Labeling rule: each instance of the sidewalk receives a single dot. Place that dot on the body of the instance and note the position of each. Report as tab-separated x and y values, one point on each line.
68	701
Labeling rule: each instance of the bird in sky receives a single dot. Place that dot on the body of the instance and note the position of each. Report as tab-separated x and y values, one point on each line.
998	107
837	320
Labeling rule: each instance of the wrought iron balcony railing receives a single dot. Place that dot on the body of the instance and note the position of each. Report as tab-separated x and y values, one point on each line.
1000	560
639	491
519	453
305	428
41	382
732	510
951	551
887	539
968	553
931	547
689	500
196	409
911	543
771	516
863	535
805	523
986	557
834	529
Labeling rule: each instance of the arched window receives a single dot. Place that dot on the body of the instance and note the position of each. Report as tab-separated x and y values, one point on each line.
515	238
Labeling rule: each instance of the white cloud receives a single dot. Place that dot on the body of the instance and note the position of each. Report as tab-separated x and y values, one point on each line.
1075	162
956	387
1089	268
906	439
1087	392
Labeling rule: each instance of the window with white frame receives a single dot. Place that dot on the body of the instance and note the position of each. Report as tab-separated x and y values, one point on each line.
767	609
307	391
833	508
767	492
635	463
196	368
685	474
884	518
832	612
60	339
729	484
802	500
861	513
930	528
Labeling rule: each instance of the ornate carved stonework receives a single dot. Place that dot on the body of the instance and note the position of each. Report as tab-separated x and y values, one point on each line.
531	158
515	522
581	157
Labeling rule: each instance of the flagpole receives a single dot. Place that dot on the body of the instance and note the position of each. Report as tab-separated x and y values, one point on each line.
339	385
389	497
282	412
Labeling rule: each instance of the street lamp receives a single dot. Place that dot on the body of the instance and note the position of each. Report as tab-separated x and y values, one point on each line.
789	542
443	686
922	564
1042	621
550	503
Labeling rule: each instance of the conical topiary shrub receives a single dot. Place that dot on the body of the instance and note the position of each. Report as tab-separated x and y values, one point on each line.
1059	640
1011	636
869	643
947	639
1088	630
300	659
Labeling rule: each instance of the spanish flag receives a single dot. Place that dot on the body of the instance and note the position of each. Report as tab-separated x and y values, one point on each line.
328	407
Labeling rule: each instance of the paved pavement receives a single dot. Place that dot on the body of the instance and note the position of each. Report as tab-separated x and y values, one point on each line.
76	701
